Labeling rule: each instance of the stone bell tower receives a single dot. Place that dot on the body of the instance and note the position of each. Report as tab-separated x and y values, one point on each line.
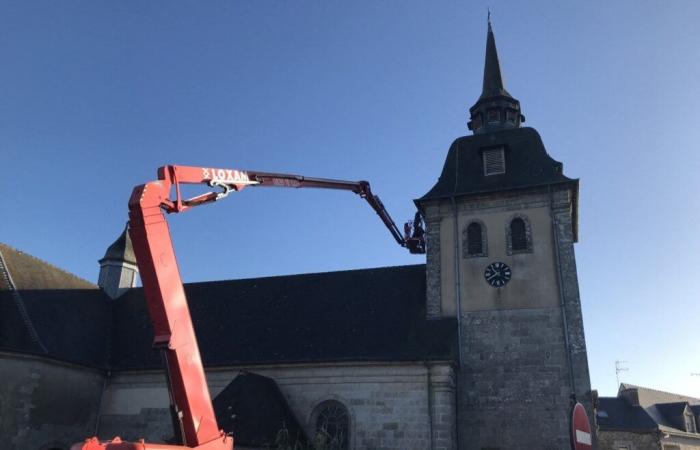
501	227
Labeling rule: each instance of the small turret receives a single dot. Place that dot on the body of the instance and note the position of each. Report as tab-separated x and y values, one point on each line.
496	109
118	267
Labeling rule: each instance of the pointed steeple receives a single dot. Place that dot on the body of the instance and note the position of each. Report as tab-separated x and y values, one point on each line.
493	80
495	109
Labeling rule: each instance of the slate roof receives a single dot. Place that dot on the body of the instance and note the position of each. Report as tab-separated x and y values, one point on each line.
29	272
493	80
615	414
527	165
639	409
358	315
121	249
253	408
67	313
647	396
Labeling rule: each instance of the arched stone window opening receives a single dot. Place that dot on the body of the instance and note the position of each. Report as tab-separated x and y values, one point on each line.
332	426
474	240
519	235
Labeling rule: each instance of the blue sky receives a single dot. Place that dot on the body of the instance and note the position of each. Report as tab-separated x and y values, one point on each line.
94	96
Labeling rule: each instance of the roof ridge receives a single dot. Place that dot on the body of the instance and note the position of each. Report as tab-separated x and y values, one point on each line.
295	275
53	266
635	386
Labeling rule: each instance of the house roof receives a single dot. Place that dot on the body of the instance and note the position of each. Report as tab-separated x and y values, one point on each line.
647	396
639	409
615	414
357	315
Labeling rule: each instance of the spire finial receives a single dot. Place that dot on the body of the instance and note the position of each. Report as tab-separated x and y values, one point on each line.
488	17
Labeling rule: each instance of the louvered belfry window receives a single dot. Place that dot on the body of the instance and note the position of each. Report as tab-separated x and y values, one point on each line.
494	161
474	246
518	234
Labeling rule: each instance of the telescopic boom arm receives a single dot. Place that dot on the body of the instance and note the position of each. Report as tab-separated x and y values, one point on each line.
234	180
165	296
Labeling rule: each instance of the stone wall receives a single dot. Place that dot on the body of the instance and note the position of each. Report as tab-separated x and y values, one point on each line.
46	404
514	387
390	405
615	440
520	350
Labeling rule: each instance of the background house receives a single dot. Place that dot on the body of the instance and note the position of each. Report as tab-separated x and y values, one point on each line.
643	418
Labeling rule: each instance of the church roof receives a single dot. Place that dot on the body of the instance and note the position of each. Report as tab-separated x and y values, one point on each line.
47	311
358	315
30	272
121	249
527	164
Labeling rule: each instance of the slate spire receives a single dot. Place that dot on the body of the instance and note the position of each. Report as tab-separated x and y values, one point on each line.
118	268
493	80
495	109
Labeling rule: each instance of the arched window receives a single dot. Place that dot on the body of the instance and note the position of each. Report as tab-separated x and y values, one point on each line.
332	425
474	240
519	235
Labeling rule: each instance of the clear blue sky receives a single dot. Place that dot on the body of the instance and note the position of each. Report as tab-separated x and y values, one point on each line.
94	96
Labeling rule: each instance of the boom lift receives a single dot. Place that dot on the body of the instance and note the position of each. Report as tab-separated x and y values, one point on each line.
165	296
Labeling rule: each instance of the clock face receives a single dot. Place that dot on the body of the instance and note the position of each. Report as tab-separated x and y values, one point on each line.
497	274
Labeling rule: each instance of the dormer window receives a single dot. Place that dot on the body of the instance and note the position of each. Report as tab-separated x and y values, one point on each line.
494	161
493	115
511	116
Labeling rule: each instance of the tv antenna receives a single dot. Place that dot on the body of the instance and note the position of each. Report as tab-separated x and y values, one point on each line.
620	368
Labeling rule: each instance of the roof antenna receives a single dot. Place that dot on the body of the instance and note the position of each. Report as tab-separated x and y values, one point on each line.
620	368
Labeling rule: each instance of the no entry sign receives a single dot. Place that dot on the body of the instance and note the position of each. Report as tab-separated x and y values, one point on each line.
580	429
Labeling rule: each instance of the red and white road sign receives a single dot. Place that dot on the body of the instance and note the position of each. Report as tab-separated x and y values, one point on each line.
581	438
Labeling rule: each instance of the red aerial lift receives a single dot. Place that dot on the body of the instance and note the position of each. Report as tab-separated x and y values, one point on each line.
167	306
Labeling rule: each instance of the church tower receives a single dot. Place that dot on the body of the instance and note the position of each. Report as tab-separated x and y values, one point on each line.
501	227
118	269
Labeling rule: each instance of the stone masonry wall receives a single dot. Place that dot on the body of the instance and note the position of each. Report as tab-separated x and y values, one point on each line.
46	404
514	388
514	379
615	440
390	405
